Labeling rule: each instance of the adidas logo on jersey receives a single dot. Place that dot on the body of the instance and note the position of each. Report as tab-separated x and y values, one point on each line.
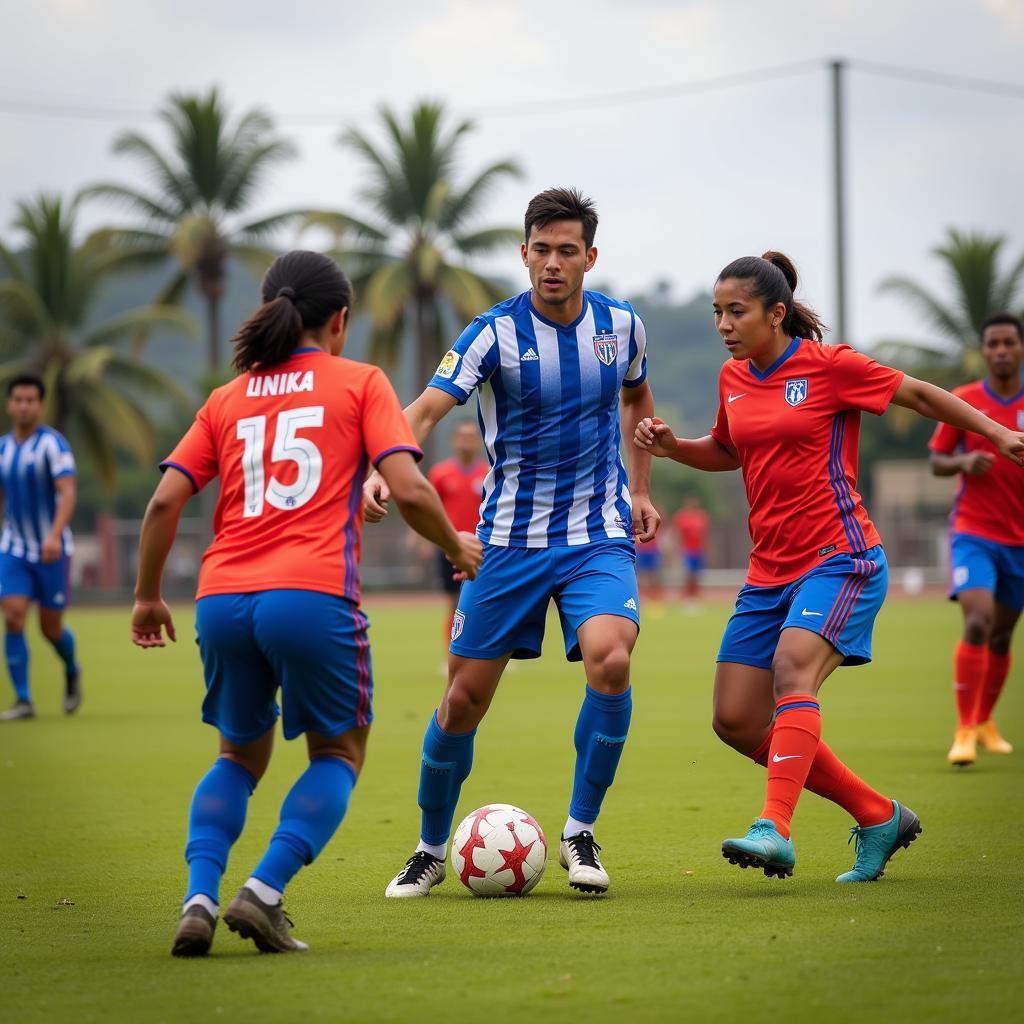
630	604
529	356
279	384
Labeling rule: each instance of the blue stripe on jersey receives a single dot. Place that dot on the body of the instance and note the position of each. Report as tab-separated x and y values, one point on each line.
841	487
548	411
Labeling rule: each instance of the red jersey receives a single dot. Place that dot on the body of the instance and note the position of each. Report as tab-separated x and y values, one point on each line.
291	445
796	430
991	505
692	527
461	490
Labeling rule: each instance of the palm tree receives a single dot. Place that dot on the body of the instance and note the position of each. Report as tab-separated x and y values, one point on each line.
408	266
202	186
978	288
99	395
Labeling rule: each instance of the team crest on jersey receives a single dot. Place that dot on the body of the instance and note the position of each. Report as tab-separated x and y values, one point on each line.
458	622
447	365
606	348
796	390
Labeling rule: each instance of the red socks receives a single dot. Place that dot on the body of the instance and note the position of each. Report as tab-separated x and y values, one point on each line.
970	663
794	742
831	779
997	670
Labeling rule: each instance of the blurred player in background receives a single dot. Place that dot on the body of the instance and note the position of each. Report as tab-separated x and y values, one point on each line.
278	598
459	482
986	539
37	474
649	564
789	416
691	523
561	375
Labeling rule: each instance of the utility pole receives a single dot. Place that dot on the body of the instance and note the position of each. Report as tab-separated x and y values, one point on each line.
837	67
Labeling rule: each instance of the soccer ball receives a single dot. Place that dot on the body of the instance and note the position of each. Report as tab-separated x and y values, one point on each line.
499	850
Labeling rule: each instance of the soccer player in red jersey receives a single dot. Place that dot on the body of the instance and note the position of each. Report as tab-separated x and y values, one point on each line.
291	438
691	523
459	482
789	416
986	539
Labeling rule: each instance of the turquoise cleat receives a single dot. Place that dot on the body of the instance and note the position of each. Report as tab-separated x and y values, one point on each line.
762	847
877	843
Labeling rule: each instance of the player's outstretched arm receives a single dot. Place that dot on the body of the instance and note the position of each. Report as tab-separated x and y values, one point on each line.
972	463
421	508
936	404
150	615
53	543
704	453
422	415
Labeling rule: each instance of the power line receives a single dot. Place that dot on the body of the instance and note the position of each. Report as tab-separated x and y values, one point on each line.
906	74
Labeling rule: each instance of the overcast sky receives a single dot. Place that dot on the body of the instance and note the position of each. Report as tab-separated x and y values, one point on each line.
683	184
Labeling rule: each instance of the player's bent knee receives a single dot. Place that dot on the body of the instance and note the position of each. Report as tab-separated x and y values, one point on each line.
733	731
609	672
977	628
461	709
999	642
14	622
791	677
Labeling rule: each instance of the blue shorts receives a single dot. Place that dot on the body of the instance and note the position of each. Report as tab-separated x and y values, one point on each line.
311	645
48	583
648	561
504	609
694	562
976	563
838	600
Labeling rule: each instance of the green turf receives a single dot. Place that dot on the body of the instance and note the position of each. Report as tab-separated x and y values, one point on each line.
93	810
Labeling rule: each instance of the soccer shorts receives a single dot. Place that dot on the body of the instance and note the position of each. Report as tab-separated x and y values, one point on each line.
503	610
48	583
838	600
312	646
648	561
976	563
446	572
694	562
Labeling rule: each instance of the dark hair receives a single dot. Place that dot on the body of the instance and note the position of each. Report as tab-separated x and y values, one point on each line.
26	380
562	204
301	290
772	279
1001	318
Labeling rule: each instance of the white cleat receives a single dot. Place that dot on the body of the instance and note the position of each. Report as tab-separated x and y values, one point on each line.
19	709
421	873
578	855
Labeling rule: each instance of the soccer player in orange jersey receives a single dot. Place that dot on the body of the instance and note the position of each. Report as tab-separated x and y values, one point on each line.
459	482
986	540
789	416
291	438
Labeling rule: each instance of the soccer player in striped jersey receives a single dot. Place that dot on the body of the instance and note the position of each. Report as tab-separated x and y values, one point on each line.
37	475
986	540
560	374
278	601
789	416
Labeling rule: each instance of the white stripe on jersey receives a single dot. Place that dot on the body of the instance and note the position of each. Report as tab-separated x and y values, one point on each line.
508	346
548	444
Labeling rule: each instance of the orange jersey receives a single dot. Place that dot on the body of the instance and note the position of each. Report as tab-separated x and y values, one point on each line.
796	430
291	445
692	526
991	504
461	491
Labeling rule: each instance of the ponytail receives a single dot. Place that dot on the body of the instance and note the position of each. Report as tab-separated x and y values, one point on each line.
773	279
302	290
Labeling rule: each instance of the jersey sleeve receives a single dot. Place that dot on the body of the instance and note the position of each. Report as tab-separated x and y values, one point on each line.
469	362
195	454
636	372
385	428
946	439
720	431
61	460
859	382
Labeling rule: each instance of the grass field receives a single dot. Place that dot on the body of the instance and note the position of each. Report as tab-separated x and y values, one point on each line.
93	810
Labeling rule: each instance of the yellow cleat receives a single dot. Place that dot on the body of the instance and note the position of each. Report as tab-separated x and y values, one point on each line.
965	747
991	741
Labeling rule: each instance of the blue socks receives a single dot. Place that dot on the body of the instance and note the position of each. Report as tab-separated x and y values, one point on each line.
65	648
600	736
447	759
214	823
310	815
16	652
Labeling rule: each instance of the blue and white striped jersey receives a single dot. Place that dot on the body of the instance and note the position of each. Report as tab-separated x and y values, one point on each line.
28	472
548	404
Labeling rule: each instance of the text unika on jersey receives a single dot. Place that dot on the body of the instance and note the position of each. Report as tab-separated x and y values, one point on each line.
279	384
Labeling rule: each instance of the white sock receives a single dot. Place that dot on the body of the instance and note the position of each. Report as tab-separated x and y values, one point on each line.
435	851
264	891
574	827
202	900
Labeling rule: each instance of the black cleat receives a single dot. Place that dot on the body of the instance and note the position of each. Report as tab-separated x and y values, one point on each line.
195	932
